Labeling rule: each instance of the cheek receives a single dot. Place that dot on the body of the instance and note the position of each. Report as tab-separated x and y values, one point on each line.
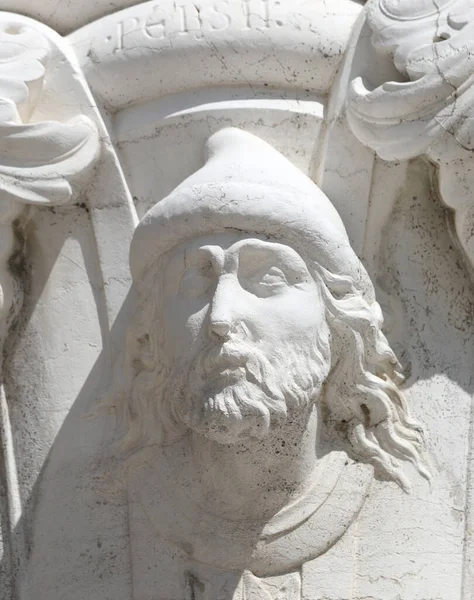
182	328
292	317
194	325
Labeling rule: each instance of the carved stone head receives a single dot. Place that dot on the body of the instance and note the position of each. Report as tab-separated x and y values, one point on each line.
252	309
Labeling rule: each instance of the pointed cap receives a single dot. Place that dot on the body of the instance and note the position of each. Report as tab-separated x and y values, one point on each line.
246	185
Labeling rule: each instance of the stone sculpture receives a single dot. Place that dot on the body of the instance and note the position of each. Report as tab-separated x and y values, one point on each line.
256	351
236	300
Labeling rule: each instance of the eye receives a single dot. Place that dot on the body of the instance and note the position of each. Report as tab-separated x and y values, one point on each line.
196	281
266	282
274	276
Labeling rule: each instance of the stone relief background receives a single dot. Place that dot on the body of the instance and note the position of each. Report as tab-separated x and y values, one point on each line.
66	537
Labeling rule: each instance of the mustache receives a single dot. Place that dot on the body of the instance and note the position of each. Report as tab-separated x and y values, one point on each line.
231	352
237	354
235	386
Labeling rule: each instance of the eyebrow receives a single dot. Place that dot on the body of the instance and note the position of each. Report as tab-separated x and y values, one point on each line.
213	252
276	247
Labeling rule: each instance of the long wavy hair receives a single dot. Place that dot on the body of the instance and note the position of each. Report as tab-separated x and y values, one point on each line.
363	406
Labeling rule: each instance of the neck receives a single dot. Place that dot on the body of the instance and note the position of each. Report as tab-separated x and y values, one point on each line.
256	478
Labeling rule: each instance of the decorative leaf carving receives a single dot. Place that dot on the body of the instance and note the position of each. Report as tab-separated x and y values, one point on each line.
38	161
23	54
432	44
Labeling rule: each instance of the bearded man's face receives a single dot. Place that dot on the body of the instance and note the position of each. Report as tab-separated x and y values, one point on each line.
244	335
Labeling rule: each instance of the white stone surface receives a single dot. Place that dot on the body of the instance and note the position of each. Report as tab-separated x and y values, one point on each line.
200	397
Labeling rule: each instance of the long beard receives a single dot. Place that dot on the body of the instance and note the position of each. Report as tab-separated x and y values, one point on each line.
234	392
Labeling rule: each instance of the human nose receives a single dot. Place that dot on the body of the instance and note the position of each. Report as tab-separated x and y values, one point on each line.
222	314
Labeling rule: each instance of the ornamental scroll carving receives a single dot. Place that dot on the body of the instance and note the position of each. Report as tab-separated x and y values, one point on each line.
429	111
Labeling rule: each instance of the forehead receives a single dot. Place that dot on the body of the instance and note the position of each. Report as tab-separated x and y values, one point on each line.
230	243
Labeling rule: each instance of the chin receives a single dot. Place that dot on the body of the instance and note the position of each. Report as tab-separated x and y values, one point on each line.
237	413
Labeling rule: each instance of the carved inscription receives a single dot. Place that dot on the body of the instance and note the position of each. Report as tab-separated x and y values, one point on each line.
169	20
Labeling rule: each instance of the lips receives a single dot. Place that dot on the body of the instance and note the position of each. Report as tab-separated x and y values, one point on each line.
228	357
